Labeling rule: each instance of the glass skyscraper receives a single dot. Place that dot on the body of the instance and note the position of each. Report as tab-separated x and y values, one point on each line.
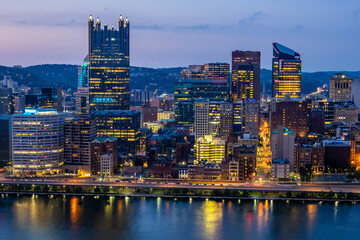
109	66
245	77
286	72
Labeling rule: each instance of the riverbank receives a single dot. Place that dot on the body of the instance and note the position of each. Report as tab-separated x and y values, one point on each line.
252	196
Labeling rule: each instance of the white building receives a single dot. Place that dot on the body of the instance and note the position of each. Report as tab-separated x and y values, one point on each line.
107	164
282	145
37	141
201	126
280	169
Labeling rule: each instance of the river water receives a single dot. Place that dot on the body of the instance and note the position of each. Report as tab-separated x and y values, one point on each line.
73	217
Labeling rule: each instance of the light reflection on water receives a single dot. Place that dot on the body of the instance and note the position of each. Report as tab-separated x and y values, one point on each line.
74	217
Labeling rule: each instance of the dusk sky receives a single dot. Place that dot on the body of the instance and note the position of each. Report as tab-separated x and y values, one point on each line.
168	33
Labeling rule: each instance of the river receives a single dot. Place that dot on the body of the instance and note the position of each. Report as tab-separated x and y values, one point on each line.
74	217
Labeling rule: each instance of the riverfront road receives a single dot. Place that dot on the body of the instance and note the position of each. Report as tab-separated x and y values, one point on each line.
161	184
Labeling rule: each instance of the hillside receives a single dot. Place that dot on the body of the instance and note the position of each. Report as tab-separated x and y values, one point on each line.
65	76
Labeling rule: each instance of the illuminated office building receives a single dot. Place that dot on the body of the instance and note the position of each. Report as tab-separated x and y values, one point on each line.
188	90
341	87
238	111
123	124
79	132
214	118
209	149
216	71
193	72
226	119
245	78
207	71
47	98
109	79
37	141
286	72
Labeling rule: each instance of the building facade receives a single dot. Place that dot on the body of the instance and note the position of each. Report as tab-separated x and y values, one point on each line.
245	77
79	132
109	57
286	72
37	141
340	87
122	124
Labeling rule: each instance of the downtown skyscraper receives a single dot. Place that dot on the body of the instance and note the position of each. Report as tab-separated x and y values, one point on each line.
109	59
286	72
245	77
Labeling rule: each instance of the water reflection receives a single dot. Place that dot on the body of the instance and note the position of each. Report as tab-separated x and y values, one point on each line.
209	218
76	217
74	211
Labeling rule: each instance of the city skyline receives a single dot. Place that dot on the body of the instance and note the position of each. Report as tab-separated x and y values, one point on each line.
182	33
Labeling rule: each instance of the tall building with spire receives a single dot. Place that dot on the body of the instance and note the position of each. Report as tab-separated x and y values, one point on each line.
286	72
108	66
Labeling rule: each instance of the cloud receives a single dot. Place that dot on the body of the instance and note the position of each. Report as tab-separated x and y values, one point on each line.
72	22
149	27
252	19
62	24
193	27
20	22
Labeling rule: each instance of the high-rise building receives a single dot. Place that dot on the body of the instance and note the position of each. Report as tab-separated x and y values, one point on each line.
245	78
83	76
37	141
201	125
207	71
286	72
46	98
252	117
82	100
5	138
123	124
217	71
238	112
340	87
226	119
109	58
188	90
283	145
4	100
79	132
292	115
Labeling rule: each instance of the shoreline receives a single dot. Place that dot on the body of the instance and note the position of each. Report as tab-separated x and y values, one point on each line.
182	197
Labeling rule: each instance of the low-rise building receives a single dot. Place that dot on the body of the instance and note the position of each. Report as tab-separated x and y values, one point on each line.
280	169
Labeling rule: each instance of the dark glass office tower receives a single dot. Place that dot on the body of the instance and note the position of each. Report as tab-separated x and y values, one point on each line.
109	66
245	77
286	72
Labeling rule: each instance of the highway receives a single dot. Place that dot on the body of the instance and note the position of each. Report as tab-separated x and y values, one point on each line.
162	184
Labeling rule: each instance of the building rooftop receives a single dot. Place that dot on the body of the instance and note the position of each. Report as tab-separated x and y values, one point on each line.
284	51
280	161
